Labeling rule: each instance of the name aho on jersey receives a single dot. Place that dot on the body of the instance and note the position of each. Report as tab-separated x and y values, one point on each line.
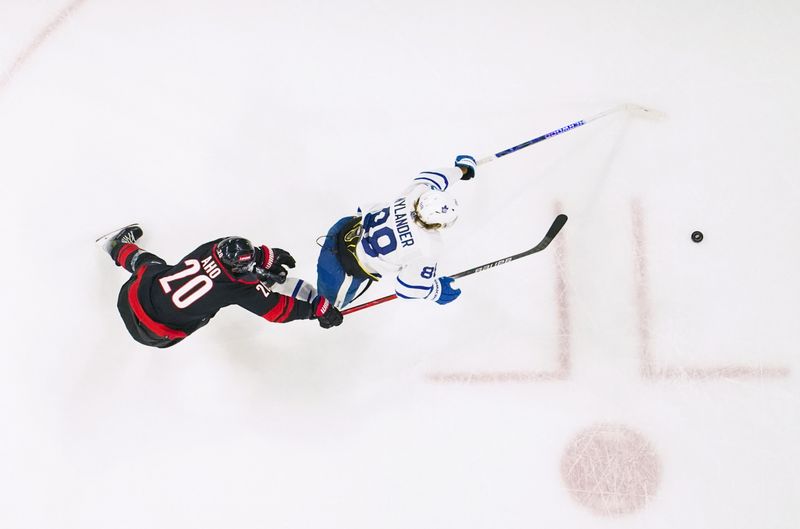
211	267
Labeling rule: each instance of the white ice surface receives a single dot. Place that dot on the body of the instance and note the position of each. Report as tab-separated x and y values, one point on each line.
271	119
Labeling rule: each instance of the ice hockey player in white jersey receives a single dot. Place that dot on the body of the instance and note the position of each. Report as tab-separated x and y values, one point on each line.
399	241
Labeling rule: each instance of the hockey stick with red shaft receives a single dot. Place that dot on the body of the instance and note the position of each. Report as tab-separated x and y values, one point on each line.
548	238
630	108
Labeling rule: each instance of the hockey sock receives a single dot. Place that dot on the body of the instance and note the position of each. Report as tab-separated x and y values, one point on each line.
129	256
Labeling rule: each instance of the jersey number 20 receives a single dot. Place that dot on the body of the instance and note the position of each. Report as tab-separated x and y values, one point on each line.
190	291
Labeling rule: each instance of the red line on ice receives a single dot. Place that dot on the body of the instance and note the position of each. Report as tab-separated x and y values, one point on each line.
37	42
647	363
563	370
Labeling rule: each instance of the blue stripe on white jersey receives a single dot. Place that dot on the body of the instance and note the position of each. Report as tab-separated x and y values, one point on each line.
297	288
408	291
437	180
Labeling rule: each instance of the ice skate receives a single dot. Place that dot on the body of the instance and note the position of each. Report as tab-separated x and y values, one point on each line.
127	235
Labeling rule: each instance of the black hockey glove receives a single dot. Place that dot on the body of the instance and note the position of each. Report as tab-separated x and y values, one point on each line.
274	261
327	315
269	278
269	258
467	164
282	258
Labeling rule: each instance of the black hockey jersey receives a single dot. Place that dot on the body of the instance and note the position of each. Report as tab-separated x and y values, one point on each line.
174	301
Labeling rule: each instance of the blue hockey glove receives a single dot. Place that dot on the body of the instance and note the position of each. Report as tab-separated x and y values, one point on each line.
468	164
443	292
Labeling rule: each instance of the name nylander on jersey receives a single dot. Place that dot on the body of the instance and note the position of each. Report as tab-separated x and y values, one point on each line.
393	244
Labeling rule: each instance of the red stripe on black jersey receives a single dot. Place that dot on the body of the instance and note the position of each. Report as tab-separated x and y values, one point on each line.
124	252
288	311
322	308
225	291
159	329
276	312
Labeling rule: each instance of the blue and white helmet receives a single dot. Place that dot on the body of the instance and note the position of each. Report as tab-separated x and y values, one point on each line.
435	209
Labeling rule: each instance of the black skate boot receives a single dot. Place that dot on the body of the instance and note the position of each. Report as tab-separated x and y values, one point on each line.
129	234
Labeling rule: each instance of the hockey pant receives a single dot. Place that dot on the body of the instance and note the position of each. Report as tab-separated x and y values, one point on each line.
135	327
135	260
339	280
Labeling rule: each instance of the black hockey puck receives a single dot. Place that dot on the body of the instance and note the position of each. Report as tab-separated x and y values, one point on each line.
697	236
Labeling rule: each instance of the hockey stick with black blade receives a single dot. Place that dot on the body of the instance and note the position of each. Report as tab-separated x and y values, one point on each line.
548	238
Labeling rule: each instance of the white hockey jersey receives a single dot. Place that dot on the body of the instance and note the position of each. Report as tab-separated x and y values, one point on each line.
394	246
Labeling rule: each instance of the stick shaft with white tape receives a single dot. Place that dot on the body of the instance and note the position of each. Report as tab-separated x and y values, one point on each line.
628	107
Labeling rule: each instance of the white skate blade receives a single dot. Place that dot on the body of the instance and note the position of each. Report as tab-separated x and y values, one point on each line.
104	241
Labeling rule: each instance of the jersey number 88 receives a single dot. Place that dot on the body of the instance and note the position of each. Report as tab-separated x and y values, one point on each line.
379	241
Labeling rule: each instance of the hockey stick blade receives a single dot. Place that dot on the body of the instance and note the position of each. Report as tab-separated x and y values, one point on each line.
561	219
646	112
551	234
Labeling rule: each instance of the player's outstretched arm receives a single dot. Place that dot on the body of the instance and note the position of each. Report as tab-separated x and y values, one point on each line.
280	308
419	281
440	179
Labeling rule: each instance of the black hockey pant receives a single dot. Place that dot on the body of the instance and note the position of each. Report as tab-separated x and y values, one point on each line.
131	257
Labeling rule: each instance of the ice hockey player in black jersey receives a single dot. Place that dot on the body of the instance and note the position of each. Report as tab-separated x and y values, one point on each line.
162	304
